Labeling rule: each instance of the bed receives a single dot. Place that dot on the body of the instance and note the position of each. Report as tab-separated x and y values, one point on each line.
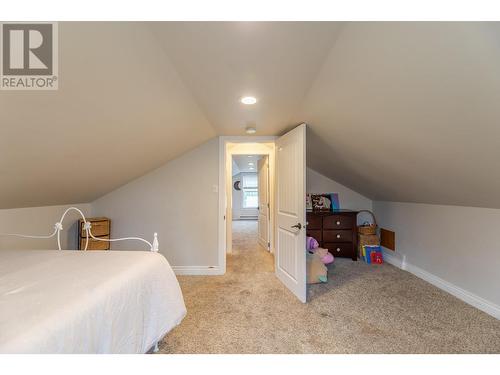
66	301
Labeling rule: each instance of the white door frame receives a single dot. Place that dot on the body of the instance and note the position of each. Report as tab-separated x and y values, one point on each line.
225	192
267	207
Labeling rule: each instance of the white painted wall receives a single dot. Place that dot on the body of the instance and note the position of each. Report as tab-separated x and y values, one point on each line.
237	202
40	221
348	199
459	245
176	200
237	197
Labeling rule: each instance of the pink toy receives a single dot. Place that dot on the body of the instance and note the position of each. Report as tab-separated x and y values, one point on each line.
326	257
313	246
311	243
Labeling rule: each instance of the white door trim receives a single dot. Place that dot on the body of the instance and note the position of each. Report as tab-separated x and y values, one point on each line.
264	187
224	202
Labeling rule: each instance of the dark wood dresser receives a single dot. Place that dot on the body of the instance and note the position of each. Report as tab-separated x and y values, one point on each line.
335	231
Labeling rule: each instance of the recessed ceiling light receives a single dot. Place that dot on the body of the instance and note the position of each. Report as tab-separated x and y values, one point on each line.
250	130
249	100
250	168
250	163
249	156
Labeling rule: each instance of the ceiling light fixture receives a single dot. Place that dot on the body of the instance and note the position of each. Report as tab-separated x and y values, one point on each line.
250	163
250	130
249	100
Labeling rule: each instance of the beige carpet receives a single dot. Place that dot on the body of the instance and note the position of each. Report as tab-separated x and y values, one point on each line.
362	309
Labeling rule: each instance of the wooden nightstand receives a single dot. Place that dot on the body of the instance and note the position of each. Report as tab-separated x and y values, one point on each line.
101	228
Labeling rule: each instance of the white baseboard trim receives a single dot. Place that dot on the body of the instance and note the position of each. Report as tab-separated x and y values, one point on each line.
390	258
197	270
464	295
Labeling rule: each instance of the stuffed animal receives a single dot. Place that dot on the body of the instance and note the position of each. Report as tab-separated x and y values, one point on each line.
326	256
316	270
311	243
313	246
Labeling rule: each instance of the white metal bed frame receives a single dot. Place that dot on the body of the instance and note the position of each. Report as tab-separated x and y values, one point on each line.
58	228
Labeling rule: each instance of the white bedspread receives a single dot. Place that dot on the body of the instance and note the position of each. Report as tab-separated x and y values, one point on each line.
86	301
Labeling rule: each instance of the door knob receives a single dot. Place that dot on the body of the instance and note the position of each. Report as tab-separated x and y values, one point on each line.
298	226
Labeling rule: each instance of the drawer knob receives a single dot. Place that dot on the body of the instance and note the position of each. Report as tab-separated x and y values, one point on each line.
338	249
338	222
338	235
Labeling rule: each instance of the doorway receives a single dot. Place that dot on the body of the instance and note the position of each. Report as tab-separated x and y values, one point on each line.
249	166
250	203
286	214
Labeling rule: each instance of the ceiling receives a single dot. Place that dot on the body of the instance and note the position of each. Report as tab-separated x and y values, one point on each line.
222	61
396	111
245	163
410	112
121	110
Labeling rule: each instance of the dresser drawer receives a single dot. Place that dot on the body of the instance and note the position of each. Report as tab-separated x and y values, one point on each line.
338	222
316	234
337	236
98	228
314	221
339	249
94	244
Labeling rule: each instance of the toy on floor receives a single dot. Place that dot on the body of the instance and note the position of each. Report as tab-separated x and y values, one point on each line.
316	270
313	246
311	243
372	254
326	256
377	258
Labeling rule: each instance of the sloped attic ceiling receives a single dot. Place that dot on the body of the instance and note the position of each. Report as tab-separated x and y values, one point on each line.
410	112
396	111
120	111
222	61
401	111
134	95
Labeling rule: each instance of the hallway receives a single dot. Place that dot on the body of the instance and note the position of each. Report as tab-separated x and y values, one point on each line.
248	256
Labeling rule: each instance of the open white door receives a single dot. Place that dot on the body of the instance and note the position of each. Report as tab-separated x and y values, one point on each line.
290	255
263	227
